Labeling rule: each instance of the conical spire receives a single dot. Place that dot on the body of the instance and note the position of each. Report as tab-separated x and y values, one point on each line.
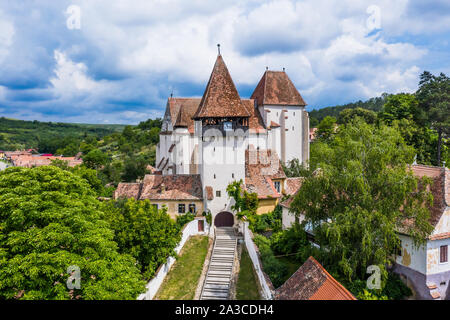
182	120
221	99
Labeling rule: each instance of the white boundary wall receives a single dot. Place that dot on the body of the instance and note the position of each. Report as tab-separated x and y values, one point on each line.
190	229
251	248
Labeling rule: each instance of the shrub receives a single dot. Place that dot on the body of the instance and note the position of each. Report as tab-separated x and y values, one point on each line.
184	218
275	269
292	240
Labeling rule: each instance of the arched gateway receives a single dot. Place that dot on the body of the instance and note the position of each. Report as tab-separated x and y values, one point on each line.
224	219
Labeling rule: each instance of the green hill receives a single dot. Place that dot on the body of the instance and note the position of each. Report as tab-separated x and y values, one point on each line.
48	136
374	104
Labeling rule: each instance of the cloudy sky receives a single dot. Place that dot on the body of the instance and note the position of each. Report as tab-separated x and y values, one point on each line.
117	61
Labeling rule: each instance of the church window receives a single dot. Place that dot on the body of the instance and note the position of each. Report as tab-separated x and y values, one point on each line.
232	175
214	175
181	208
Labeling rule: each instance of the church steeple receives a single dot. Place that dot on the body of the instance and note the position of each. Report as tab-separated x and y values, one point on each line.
220	99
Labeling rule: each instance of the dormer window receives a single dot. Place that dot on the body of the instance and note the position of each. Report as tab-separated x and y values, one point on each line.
277	186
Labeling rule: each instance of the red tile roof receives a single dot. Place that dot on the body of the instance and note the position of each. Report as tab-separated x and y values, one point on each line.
261	166
275	88
292	186
183	119
312	282
159	187
29	161
440	188
256	123
220	99
189	107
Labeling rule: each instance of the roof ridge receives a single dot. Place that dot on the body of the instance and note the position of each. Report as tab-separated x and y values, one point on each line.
332	279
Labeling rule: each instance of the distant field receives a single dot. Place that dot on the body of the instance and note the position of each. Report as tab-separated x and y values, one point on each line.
21	134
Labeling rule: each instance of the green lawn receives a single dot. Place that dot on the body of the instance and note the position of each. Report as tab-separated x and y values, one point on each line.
182	280
247	286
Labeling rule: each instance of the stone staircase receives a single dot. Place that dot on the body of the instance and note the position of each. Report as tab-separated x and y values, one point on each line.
220	270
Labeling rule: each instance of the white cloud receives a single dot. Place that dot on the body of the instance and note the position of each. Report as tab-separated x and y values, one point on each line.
123	61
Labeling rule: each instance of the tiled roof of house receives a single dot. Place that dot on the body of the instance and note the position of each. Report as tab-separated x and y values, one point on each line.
159	187
29	161
261	167
275	88
312	282
440	189
127	190
292	186
221	99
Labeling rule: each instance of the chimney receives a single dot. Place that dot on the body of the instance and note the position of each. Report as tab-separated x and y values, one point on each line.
163	187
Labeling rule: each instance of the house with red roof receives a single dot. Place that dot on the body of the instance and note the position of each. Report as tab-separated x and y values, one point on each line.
426	269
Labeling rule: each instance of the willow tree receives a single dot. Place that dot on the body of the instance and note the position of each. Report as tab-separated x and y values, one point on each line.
361	196
50	221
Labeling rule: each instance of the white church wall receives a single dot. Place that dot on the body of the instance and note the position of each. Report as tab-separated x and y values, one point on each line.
223	161
293	132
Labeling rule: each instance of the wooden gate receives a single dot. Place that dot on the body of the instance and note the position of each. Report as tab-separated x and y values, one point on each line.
224	219
201	225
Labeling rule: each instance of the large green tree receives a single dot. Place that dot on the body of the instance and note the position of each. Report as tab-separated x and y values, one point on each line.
346	115
434	99
361	196
143	231
50	220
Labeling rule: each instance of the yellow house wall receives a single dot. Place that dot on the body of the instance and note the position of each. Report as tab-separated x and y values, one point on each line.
172	206
266	205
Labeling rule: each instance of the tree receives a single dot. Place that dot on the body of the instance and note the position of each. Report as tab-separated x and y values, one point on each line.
89	175
434	99
95	159
326	128
401	106
346	115
245	203
134	168
361	197
294	168
143	231
50	220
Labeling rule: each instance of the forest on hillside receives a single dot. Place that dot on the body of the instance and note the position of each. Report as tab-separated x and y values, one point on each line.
374	104
48	137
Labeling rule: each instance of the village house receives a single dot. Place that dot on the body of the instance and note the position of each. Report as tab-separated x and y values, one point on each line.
30	161
222	138
425	269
